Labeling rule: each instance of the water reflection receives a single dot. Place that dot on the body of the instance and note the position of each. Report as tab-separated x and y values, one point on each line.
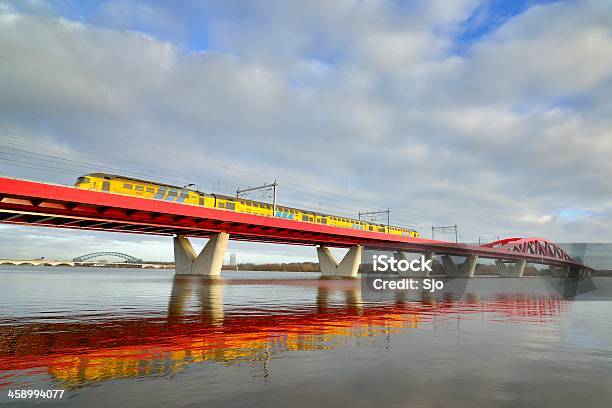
351	290
208	292
78	353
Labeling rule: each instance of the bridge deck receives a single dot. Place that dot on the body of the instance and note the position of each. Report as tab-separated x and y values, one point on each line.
50	205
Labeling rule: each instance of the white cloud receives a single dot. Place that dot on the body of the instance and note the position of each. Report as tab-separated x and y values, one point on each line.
361	99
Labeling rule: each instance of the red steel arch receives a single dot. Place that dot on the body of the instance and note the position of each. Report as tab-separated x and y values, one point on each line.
531	246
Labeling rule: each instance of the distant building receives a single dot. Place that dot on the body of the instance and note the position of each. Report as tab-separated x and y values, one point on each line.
233	260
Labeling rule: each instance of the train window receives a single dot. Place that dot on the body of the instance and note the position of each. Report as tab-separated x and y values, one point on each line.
160	193
139	188
230	205
201	200
304	217
83	180
150	190
128	186
184	195
221	204
371	228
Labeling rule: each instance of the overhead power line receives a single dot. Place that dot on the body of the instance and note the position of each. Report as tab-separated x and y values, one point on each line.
20	151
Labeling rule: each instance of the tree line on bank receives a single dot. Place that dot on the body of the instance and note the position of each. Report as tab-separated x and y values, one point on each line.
481	269
277	267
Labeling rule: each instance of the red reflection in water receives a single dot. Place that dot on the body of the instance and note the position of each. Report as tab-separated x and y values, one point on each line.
83	352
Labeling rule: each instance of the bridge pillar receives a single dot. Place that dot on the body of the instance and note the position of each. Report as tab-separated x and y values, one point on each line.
347	268
560	271
420	274
585	272
514	271
466	269
578	272
207	263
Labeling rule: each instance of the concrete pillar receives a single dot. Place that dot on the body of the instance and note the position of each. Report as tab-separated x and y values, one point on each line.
429	256
514	271
583	272
207	263
466	269
347	268
401	256
418	274
577	272
560	271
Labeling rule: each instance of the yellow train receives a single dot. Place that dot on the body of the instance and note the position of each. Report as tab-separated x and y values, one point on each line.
157	191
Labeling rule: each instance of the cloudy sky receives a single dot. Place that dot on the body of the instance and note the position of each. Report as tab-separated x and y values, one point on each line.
493	115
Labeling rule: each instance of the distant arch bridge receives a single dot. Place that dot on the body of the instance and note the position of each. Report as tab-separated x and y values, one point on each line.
108	257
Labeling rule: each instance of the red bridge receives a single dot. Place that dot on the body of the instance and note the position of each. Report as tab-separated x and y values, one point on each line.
50	205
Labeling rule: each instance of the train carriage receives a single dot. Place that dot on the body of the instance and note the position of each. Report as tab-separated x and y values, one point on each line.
158	191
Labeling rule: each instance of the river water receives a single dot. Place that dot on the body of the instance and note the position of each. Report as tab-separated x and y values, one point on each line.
145	338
